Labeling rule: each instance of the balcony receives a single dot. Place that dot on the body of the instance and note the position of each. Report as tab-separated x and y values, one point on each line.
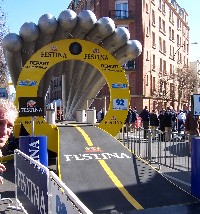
121	14
130	66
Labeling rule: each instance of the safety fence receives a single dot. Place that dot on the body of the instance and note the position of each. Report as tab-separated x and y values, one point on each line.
157	147
38	190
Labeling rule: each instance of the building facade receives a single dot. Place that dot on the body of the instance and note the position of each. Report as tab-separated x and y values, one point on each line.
162	28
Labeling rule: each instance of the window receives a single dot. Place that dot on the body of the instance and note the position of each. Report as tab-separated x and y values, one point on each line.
160	4
160	65
153	39
160	44
163	26
154	83
147	8
171	69
121	8
164	46
153	18
147	56
154	62
160	26
164	67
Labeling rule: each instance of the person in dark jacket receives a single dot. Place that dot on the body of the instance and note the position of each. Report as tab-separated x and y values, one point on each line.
168	124
153	122
133	120
145	120
161	118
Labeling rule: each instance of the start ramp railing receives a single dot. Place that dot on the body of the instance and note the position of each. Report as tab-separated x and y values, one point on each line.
162	148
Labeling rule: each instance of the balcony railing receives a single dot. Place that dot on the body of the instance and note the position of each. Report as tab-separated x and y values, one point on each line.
121	14
130	65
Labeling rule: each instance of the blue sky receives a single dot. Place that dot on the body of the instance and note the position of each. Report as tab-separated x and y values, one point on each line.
193	9
21	11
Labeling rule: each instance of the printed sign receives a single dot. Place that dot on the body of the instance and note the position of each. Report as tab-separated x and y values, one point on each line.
120	104
31	186
31	106
119	85
196	104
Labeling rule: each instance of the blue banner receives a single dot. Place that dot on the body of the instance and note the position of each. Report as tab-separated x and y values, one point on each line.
31	183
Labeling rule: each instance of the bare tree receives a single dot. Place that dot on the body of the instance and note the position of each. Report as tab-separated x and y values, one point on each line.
4	73
186	83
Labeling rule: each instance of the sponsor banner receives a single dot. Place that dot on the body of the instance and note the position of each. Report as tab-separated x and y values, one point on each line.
31	184
31	106
196	104
62	199
119	85
27	83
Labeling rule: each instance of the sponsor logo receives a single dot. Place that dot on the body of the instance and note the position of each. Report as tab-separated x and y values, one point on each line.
32	191
113	121
53	48
96	156
119	85
93	149
96	56
31	106
96	51
114	68
27	83
53	54
37	64
36	122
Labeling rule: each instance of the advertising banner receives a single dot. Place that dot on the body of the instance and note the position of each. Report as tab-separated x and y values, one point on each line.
31	184
31	106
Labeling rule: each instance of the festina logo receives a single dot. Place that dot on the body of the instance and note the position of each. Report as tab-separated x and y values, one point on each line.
96	56
31	109
96	156
34	150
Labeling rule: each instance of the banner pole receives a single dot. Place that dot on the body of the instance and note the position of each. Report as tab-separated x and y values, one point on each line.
32	125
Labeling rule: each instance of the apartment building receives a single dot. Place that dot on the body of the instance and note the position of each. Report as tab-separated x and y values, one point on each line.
162	28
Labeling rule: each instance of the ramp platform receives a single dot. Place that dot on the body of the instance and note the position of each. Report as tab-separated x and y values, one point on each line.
107	177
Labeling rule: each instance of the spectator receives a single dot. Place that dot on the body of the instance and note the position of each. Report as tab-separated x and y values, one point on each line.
102	114
8	114
99	116
145	120
174	119
133	120
168	124
161	119
128	119
181	120
153	122
192	127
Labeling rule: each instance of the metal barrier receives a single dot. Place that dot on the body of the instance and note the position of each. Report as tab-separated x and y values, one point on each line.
38	190
157	147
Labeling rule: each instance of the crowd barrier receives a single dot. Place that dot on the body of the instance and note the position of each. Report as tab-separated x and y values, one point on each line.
39	190
157	147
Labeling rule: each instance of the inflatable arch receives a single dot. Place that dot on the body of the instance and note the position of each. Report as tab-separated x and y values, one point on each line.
87	53
76	49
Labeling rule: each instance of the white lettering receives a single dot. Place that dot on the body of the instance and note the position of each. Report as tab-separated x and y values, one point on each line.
96	156
32	191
